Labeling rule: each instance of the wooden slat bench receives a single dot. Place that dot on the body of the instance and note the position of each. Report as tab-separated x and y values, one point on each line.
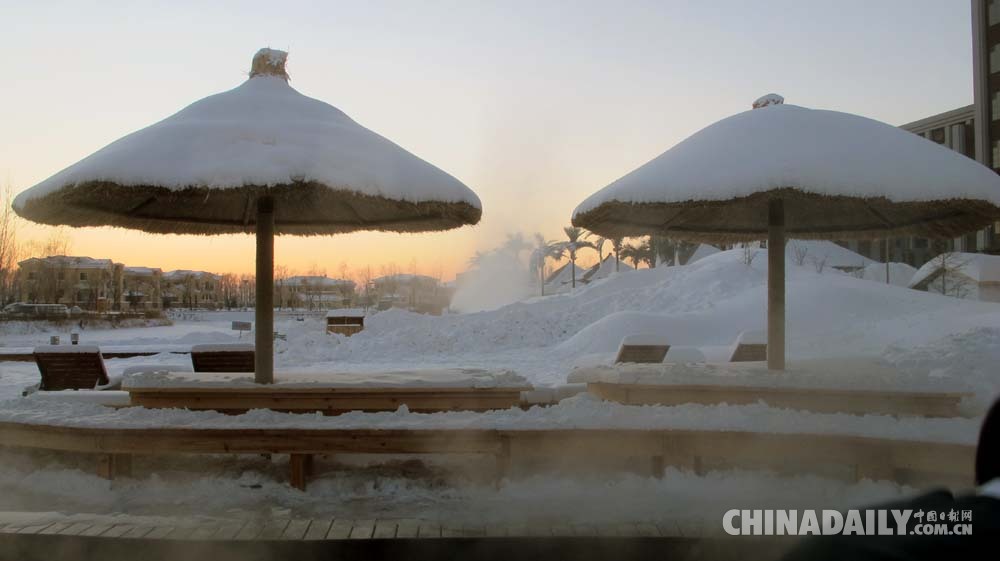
70	367
914	462
329	401
223	358
332	394
642	348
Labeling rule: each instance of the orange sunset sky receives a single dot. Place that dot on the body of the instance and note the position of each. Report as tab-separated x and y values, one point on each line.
530	104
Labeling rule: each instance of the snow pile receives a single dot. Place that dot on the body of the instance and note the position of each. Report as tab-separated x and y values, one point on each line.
899	273
704	305
817	151
702	251
978	267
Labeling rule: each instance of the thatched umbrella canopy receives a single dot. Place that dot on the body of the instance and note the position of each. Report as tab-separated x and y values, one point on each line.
781	170
258	158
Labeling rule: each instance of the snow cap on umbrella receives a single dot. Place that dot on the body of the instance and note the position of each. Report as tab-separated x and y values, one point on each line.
203	169
839	175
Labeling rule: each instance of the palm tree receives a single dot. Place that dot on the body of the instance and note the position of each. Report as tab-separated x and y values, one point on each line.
616	246
515	244
642	253
478	257
574	234
599	242
544	249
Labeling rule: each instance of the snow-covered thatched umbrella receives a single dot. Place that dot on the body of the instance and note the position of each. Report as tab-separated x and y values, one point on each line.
781	170
258	158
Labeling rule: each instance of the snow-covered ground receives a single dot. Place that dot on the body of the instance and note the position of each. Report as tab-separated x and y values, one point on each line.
931	340
707	304
242	487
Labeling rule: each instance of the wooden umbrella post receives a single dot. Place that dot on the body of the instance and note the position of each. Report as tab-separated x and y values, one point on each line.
776	285
264	311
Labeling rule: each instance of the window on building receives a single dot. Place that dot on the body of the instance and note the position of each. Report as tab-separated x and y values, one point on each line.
995	106
919	243
83	276
937	135
993	12
996	154
61	275
31	275
995	58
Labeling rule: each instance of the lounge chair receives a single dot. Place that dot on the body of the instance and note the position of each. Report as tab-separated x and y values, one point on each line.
750	346
642	348
73	367
237	357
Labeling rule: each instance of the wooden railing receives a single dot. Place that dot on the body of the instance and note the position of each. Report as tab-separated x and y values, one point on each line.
521	451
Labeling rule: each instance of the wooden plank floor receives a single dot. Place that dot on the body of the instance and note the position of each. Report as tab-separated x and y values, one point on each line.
304	529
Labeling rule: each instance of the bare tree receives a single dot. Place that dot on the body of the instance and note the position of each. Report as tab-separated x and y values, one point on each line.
951	280
281	274
819	263
749	253
9	248
799	254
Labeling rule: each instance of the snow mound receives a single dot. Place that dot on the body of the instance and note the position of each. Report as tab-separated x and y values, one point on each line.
899	273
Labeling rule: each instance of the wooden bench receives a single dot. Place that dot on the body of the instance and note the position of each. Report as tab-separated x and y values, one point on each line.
850	457
345	321
70	367
642	348
223	358
751	346
329	401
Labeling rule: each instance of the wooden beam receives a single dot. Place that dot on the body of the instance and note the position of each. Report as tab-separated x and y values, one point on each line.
300	466
776	285
264	310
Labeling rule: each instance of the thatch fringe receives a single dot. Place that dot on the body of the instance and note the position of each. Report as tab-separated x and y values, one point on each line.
305	208
807	216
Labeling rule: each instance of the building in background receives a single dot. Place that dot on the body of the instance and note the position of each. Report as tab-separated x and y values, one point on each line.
90	284
417	293
316	292
973	130
140	289
191	289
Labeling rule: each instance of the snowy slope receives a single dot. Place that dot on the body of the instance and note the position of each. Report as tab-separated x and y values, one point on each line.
899	273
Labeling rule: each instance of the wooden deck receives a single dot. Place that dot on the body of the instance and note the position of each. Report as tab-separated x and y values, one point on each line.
80	537
518	452
858	402
308	529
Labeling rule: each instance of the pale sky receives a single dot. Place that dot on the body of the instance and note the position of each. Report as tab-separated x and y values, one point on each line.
534	104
